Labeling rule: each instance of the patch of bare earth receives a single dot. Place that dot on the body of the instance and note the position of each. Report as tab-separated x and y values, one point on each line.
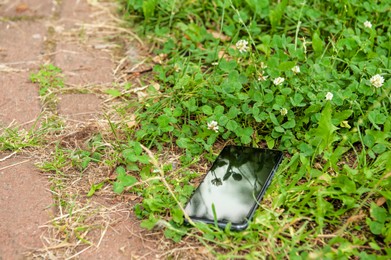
25	203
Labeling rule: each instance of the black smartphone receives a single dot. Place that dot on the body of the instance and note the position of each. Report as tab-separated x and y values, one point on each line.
234	186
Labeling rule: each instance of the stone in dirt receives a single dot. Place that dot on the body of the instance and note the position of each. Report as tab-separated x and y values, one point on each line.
25	203
23	8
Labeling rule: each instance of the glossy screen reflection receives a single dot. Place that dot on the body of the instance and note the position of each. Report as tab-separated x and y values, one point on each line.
233	185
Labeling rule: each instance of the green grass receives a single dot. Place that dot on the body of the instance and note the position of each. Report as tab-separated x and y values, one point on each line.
331	197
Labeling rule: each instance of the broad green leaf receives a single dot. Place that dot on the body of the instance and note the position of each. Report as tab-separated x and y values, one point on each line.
232	125
207	110
126	180
269	97
338	117
369	140
276	14
286	91
245	139
129	155
270	142
260	7
223	120
289	124
227	66
233	112
113	92
177	215
345	183
118	187
377	118
379	148
183	142
296	99
173	234
279	129
94	188
120	170
379	214
137	148
219	110
143	159
306	149
317	44
149	8
163	120
376	227
325	129
149	223
337	155
273	118
286	65
132	167
177	112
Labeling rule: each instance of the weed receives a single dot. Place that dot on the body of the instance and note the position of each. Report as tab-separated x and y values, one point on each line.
48	77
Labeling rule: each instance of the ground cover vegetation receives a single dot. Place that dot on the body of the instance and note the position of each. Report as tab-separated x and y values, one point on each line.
310	78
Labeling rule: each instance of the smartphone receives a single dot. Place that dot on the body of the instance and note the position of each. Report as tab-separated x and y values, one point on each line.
233	187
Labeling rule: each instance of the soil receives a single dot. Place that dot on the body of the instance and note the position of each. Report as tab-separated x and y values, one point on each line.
72	35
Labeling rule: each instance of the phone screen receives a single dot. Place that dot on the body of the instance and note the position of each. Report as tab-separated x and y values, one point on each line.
233	187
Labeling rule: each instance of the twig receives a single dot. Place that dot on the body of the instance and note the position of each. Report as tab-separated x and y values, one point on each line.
15	164
103	234
78	253
7	157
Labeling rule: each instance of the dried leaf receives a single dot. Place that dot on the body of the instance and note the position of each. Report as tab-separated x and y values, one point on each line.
219	35
22	7
356	218
380	201
141	95
159	58
132	121
221	54
325	177
156	86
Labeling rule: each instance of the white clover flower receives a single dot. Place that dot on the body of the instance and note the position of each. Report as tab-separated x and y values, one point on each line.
278	81
377	81
283	111
329	96
262	77
367	24
296	69
213	126
263	65
241	45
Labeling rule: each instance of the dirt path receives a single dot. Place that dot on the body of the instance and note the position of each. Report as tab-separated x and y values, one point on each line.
73	35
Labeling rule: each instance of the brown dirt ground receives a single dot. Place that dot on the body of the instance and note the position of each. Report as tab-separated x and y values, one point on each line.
72	35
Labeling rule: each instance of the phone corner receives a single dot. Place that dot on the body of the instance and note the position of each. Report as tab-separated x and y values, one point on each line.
239	227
